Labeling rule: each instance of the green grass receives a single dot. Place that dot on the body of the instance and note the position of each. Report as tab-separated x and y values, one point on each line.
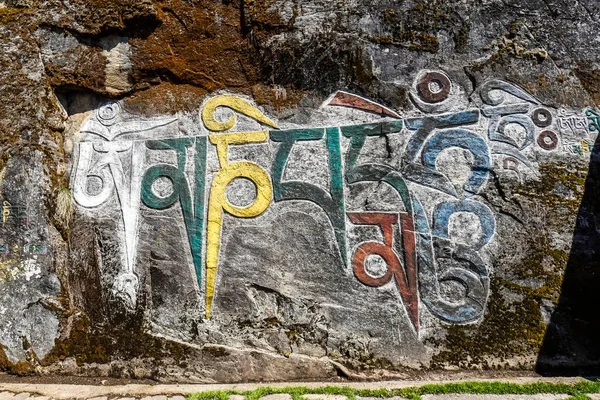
579	396
577	391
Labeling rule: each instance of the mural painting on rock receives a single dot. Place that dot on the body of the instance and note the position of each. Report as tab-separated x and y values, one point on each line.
412	226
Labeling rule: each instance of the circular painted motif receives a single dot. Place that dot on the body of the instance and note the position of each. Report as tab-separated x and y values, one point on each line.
433	87
547	140
108	113
541	117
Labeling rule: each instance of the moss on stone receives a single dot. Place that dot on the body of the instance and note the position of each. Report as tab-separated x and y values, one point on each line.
506	332
88	343
590	80
417	28
544	191
21	368
515	43
512	331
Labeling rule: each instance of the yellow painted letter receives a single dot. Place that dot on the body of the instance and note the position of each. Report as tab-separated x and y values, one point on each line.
217	201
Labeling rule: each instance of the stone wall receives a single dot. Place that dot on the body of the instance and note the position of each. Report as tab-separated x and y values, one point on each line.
279	190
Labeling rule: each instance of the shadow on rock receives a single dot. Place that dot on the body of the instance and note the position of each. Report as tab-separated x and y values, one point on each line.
572	342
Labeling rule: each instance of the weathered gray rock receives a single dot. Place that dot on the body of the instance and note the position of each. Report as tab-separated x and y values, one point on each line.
402	186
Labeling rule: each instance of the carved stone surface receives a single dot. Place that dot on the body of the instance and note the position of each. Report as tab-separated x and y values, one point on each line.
272	190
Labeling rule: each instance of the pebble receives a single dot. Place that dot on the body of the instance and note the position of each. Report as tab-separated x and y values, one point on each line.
324	397
279	396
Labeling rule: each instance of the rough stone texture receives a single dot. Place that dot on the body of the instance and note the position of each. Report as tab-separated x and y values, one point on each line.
373	398
111	289
496	397
117	389
282	396
329	397
324	397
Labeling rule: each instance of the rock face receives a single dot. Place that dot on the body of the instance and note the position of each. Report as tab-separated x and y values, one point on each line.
282	190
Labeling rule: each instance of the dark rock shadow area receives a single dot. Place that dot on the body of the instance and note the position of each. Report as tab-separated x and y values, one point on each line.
571	345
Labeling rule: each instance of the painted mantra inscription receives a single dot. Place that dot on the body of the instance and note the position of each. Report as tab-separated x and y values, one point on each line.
417	249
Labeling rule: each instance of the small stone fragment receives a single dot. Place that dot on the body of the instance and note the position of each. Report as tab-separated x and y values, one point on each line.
379	398
279	396
325	397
